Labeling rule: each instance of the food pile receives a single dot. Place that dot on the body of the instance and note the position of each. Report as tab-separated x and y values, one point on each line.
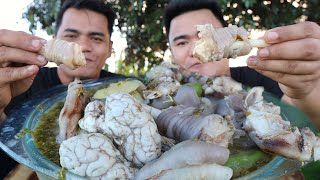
175	125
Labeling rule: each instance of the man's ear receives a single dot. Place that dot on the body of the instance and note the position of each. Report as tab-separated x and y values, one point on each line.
110	48
111	45
171	56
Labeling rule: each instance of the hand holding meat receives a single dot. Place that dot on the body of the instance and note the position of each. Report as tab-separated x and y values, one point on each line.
289	55
63	52
293	60
228	42
19	63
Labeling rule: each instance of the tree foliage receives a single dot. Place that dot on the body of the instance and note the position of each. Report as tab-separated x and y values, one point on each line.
141	22
268	14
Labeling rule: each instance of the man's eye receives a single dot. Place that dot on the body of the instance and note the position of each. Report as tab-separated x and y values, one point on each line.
70	36
96	39
182	43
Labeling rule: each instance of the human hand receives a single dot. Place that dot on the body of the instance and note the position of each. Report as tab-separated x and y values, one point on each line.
293	60
19	63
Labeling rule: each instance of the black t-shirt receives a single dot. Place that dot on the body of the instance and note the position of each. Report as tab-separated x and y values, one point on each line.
251	77
44	80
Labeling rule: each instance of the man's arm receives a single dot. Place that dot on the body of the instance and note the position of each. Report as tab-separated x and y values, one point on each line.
293	60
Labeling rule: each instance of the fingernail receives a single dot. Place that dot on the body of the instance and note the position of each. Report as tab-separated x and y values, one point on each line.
30	68
35	43
41	58
272	36
252	61
43	41
263	52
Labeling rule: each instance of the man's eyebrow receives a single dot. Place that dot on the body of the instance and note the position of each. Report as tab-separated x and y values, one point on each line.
71	30
180	37
96	34
91	33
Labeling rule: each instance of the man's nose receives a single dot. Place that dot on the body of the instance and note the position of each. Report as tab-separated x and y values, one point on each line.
191	48
85	44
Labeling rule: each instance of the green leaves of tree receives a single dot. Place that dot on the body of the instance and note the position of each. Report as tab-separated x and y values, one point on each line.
142	23
42	13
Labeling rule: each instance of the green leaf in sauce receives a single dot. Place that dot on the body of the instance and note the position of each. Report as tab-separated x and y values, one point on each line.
23	132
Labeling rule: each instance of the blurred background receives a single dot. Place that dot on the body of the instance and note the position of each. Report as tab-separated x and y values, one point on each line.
139	37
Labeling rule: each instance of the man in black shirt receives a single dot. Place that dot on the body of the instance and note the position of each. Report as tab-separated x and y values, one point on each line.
295	69
251	77
88	23
180	20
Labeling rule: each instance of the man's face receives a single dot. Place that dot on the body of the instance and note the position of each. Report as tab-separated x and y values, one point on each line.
182	39
90	30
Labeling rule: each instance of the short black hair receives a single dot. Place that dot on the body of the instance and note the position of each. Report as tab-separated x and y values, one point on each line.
98	6
178	7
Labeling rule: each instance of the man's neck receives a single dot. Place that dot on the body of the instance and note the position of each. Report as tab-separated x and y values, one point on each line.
64	78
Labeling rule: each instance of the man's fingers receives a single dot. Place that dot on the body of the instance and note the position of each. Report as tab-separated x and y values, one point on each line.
300	81
284	66
11	74
9	54
21	86
20	49
302	49
292	32
21	40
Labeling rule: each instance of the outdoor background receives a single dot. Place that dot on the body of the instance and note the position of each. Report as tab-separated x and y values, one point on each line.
139	38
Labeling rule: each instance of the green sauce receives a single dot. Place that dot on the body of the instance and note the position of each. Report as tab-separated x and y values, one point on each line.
243	160
46	132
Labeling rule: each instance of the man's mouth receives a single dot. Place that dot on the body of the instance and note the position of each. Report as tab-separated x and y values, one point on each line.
89	60
195	66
